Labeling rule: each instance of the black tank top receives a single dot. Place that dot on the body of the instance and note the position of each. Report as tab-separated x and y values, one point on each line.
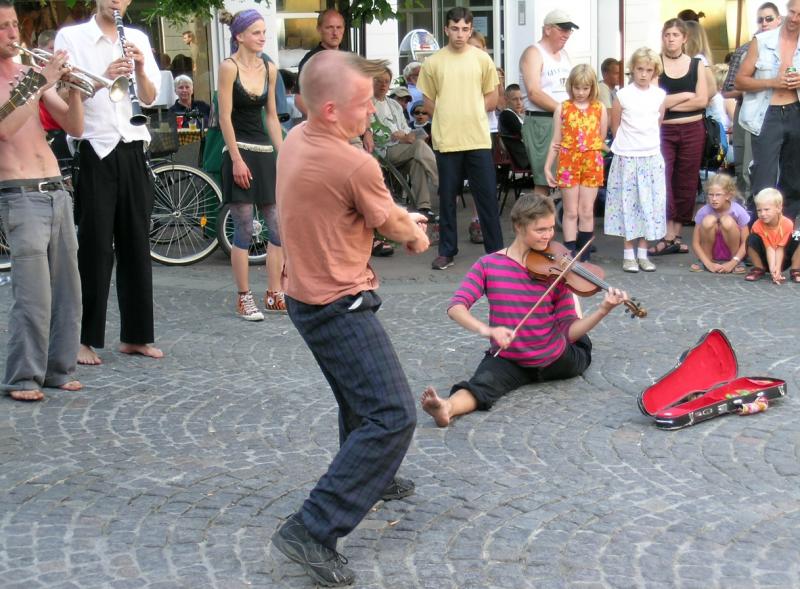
246	114
686	83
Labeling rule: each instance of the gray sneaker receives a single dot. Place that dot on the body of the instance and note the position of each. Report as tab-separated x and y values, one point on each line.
646	265
442	262
325	566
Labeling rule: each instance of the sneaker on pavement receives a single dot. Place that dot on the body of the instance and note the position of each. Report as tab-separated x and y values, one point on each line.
325	566
475	233
274	302
398	489
442	262
246	308
630	266
646	265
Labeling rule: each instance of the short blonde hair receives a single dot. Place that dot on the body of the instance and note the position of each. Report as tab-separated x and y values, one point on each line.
769	196
582	75
727	183
647	55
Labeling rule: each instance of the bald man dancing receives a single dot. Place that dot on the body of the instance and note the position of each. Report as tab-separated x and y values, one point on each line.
330	192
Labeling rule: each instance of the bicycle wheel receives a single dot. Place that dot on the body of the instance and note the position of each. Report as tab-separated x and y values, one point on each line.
5	251
257	252
183	224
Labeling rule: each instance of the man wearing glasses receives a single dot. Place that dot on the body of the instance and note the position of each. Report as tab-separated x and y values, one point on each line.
768	18
544	69
770	109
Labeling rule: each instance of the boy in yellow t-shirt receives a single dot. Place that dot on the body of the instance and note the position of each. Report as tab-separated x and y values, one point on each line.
772	242
459	85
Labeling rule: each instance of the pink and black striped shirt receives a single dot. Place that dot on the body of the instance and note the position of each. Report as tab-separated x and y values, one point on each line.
511	293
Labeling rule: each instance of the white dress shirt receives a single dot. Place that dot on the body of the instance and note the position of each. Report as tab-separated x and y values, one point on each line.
106	123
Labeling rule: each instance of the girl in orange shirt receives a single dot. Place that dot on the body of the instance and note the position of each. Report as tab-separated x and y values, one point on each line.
579	129
772	242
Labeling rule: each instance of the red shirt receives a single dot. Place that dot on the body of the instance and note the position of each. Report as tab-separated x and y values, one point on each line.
48	122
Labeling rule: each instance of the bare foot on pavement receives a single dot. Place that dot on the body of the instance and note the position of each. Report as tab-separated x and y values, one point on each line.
141	349
33	395
88	357
436	407
73	385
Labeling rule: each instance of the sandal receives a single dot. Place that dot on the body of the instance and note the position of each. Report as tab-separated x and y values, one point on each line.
667	247
698	266
381	248
794	275
740	269
755	273
682	247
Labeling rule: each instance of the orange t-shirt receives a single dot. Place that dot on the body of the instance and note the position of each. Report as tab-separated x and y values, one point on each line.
777	237
330	196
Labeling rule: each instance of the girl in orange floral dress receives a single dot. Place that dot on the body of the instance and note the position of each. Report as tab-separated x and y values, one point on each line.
579	129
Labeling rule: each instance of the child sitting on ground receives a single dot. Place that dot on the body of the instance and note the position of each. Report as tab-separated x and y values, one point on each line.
551	345
721	229
772	245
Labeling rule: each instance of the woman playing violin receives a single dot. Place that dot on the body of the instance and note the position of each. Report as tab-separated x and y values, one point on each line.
551	345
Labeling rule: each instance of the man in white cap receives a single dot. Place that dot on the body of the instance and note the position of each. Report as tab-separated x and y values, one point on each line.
544	69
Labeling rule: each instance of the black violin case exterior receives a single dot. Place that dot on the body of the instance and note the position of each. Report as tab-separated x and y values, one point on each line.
704	385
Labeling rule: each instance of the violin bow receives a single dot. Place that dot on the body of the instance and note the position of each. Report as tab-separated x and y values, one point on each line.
558	279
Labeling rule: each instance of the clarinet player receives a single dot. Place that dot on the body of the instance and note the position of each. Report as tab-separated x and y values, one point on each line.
114	195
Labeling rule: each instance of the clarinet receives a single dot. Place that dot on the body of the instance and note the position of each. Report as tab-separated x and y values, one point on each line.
137	118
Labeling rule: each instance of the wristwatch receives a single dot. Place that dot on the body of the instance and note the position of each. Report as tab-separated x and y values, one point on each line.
737	259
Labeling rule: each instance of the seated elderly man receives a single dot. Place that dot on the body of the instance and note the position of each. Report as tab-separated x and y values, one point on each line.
395	140
184	88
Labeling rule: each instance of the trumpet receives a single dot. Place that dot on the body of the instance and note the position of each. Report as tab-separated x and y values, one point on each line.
83	81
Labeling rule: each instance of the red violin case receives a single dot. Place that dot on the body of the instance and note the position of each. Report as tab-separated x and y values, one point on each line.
704	385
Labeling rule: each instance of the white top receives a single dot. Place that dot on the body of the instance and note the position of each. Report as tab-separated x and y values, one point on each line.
639	134
553	80
106	122
492	115
389	112
716	110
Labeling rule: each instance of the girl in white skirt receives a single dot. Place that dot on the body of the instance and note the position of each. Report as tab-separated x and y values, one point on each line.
636	193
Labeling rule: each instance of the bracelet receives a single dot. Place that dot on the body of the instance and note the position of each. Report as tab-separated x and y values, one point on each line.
737	259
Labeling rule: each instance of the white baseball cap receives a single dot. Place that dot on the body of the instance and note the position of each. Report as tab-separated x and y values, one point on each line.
560	18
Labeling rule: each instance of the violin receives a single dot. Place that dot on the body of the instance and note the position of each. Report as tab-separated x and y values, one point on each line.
582	278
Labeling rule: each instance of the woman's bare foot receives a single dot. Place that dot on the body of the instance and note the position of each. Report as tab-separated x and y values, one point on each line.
73	385
141	349
33	395
88	357
436	407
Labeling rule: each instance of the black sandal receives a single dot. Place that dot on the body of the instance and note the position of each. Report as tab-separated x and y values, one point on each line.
381	249
669	247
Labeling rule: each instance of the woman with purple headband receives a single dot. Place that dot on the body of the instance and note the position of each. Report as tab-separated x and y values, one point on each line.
246	90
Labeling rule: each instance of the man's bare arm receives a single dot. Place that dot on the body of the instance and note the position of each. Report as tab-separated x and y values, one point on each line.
530	64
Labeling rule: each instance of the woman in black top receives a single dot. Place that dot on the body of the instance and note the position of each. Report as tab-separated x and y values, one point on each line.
682	133
246	95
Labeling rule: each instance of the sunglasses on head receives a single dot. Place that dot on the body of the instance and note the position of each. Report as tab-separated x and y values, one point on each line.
762	19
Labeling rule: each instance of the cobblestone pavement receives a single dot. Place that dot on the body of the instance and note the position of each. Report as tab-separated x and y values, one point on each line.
175	473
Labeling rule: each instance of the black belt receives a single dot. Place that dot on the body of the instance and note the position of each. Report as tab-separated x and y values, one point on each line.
27	186
538	113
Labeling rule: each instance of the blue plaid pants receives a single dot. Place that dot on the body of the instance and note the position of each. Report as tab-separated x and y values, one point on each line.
377	413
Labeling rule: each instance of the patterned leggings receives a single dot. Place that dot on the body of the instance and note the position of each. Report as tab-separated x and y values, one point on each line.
242	215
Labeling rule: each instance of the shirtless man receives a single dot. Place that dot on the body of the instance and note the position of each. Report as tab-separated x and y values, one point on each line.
544	69
771	110
36	210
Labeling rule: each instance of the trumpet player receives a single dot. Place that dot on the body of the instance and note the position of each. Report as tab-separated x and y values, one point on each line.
36	211
113	190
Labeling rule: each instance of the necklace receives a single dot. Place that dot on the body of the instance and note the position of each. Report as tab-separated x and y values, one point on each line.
668	56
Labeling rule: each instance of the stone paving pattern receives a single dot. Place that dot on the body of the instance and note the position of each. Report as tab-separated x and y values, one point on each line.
175	473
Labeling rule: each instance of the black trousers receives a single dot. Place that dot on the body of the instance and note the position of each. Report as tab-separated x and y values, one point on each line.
114	199
377	412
